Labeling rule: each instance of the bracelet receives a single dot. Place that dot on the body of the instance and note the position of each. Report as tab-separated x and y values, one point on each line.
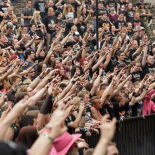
72	81
145	87
39	78
13	126
46	135
0	112
102	54
126	96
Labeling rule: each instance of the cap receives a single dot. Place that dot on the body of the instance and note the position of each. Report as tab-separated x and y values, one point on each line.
76	34
142	28
112	8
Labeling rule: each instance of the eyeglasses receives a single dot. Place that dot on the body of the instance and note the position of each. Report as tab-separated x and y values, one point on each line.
32	72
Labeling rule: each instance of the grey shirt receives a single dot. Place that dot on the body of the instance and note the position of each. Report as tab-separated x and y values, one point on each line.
27	12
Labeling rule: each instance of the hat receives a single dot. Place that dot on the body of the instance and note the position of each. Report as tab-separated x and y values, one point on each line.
107	33
63	143
68	44
112	8
142	28
121	66
13	57
88	44
9	26
76	34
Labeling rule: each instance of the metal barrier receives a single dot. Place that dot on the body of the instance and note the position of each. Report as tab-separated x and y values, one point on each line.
134	136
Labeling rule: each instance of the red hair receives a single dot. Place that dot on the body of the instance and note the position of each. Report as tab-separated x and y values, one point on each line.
81	61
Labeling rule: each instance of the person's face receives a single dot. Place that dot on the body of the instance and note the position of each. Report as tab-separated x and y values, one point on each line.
62	71
69	47
71	103
98	104
29	91
84	10
129	26
137	67
145	38
120	96
9	30
58	62
104	16
112	150
50	4
18	81
29	3
32	56
33	28
142	5
142	32
65	54
31	73
135	45
87	48
10	11
121	57
71	1
130	6
44	67
113	28
150	60
52	57
42	53
58	47
69	9
5	62
38	15
121	16
100	5
5	3
86	99
124	30
85	63
24	30
78	71
136	15
74	29
4	39
35	123
50	12
76	38
81	19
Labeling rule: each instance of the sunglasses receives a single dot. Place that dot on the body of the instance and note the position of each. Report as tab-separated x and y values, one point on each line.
32	72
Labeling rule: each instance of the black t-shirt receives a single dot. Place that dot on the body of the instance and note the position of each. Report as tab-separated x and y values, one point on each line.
103	23
129	15
127	61
122	4
112	63
121	111
58	7
4	10
112	4
75	5
137	76
81	28
149	69
136	24
137	109
49	23
67	121
131	52
118	24
88	4
60	22
110	110
130	34
40	6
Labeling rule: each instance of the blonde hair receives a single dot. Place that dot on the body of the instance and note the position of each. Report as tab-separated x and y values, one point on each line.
65	11
76	102
35	17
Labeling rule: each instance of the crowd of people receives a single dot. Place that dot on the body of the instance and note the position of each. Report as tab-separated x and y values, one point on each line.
57	86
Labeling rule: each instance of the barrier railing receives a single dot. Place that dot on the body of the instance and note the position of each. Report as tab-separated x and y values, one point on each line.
134	136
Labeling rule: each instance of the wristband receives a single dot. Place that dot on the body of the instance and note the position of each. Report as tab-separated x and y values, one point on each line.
84	130
72	81
46	135
134	94
13	126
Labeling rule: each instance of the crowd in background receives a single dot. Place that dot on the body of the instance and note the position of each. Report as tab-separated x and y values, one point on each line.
57	86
